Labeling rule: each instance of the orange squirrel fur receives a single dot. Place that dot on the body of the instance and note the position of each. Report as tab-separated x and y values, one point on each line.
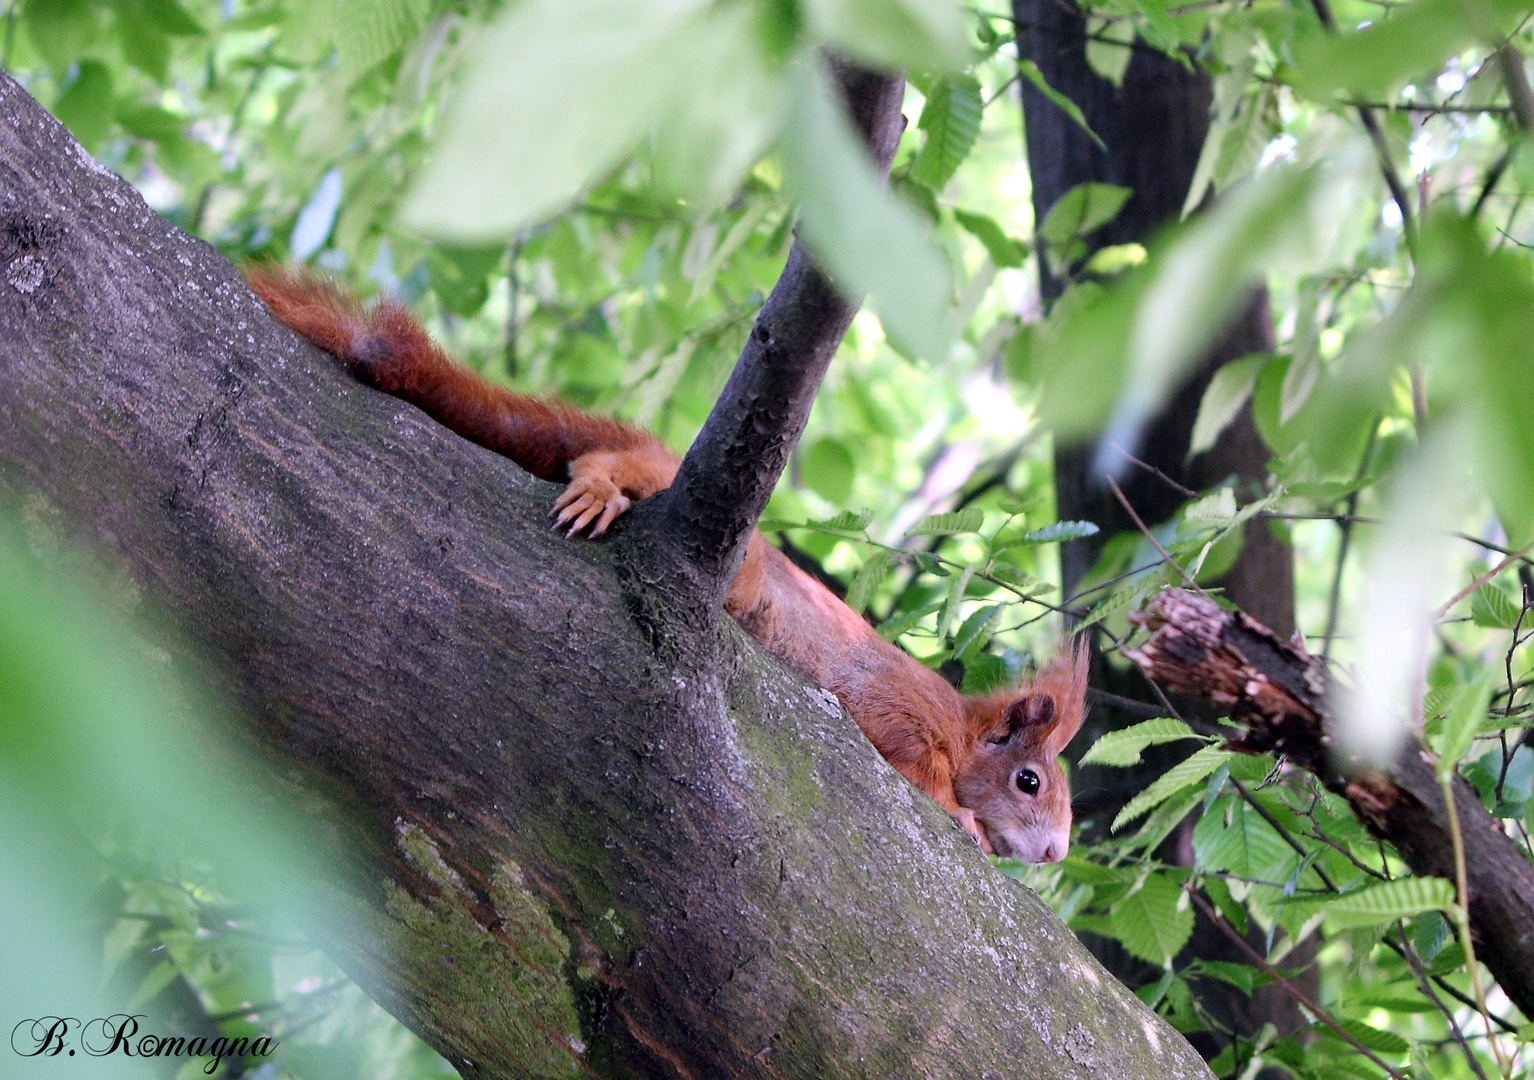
989	761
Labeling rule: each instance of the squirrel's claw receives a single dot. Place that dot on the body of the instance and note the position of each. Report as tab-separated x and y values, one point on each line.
966	820
588	501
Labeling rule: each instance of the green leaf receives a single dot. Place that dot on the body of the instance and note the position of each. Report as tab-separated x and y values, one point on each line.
897	625
1388	901
958	585
1155	921
847	521
152	122
951	119
894	34
732	110
460	274
1198	284
1228	390
1491	607
1245	844
1242	976
856	228
1110	44
368	31
868	578
1004	250
1195	768
1081	211
967	520
61	30
1032	73
1414	40
828	469
558	92
1216	511
169	17
974	632
1115	259
1463	722
1384	1042
1125	746
1060	530
86	108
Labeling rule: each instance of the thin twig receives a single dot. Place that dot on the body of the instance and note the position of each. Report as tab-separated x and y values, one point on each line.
1482	580
1119	495
1148	467
1295	992
1410	956
1334	599
1377	137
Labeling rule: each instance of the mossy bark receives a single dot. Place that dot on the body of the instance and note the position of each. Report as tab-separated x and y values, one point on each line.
574	829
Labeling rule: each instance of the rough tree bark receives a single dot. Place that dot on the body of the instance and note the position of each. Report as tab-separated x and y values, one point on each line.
1279	693
575	823
1153	128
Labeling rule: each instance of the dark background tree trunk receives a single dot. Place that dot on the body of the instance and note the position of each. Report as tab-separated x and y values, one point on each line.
565	827
1153	128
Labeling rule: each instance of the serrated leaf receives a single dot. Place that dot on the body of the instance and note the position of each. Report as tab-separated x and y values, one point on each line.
845	522
960	521
368	31
867	579
956	589
1081	211
896	625
1031	72
1003	250
1155	921
1125	746
1388	901
1246	846
1462	723
975	630
1169	783
1212	511
1228	390
951	119
1491	607
1384	1042
1060	530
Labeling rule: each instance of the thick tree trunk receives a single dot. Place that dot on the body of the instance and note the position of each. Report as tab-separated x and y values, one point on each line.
1153	129
574	829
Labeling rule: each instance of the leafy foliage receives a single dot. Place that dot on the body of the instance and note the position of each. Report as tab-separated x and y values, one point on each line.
592	198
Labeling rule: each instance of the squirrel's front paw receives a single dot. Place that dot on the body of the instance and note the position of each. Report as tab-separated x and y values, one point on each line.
590	500
966	820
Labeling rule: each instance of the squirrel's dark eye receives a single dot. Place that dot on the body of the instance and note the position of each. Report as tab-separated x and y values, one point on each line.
1028	782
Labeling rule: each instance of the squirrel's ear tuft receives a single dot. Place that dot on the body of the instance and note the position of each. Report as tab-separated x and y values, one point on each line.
1055	706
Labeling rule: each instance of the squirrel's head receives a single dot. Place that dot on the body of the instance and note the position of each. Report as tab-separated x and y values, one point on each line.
1011	779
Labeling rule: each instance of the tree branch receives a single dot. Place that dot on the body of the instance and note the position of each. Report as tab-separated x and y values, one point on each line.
1279	692
548	845
734	463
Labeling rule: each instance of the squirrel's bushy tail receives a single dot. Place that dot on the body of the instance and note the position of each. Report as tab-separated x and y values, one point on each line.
387	348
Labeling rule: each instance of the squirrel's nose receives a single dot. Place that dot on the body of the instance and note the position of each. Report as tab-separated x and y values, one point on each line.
1055	850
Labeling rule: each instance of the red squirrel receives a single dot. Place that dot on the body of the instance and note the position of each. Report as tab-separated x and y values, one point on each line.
988	760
